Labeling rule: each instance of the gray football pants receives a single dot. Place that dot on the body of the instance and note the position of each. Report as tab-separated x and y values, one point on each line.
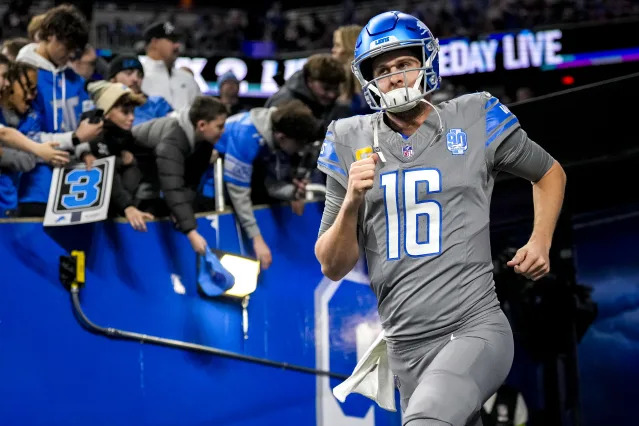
449	378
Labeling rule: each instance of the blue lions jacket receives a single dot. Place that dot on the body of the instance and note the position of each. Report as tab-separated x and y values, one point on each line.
60	101
14	162
242	143
155	107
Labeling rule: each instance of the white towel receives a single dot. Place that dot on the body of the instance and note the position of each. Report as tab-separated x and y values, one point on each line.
372	377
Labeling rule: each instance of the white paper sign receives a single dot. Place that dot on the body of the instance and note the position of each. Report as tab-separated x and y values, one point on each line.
78	195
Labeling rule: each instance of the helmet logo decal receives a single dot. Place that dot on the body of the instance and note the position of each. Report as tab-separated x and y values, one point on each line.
423	28
383	40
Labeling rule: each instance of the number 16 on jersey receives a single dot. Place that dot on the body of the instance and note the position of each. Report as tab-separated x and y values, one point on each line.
78	195
404	188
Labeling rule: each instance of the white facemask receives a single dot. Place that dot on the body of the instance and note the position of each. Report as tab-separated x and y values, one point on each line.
400	99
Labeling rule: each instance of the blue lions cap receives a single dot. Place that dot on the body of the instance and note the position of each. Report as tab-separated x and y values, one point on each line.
213	278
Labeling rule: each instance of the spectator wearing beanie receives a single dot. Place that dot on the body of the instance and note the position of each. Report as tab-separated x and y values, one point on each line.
118	103
229	89
129	71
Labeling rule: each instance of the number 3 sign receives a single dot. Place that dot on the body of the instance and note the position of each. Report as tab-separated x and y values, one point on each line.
78	195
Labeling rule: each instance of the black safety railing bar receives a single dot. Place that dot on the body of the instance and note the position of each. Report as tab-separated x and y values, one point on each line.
128	335
574	89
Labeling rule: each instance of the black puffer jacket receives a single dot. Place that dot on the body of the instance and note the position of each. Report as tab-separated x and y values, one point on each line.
181	161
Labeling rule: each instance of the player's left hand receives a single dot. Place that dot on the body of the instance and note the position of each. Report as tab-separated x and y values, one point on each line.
532	260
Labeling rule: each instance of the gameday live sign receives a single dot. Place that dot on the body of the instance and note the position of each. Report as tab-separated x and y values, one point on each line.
499	52
78	195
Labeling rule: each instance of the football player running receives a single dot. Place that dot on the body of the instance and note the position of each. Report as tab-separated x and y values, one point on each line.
410	187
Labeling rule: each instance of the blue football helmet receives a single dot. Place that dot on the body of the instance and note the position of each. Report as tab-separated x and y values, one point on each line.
389	31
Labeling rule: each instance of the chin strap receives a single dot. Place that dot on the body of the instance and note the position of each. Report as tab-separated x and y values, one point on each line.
410	104
419	80
439	117
376	147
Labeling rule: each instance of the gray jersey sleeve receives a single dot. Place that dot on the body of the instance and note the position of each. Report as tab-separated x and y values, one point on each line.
499	124
335	194
332	160
522	157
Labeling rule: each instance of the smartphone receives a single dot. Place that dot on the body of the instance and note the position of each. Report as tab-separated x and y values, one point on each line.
94	115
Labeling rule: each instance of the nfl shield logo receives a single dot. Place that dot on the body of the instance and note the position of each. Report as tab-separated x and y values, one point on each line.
407	150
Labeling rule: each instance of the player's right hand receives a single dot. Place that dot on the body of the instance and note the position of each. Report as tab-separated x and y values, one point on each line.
360	179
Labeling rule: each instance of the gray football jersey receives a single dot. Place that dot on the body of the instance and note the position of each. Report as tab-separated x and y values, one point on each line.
424	226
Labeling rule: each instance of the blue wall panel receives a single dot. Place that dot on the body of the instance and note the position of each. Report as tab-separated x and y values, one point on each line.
54	372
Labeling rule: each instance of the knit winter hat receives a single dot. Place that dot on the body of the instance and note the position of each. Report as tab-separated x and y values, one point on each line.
105	94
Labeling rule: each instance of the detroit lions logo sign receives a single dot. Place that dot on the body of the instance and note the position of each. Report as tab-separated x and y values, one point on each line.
456	141
422	27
